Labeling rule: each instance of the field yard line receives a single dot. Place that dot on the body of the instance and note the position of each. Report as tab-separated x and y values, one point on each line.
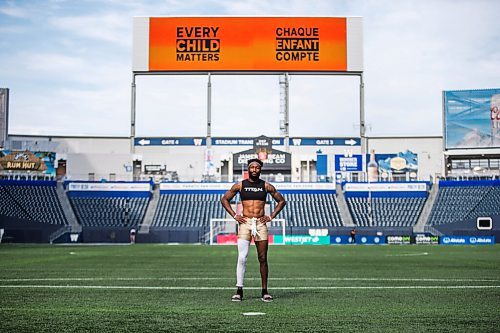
408	254
232	288
257	278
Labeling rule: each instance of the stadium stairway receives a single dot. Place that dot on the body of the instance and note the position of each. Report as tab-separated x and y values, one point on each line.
150	212
426	212
343	208
67	209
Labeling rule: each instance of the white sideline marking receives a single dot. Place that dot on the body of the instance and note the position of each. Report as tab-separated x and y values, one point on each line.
253	313
231	278
408	254
232	288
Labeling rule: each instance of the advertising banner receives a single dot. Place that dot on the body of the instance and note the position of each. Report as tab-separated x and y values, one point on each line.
401	162
232	239
398	240
472	119
426	240
301	44
23	161
386	187
348	163
359	239
103	187
302	240
276	160
340	240
467	240
226	186
370	239
222	187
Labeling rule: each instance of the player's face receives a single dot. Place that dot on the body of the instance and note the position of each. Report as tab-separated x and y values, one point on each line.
254	170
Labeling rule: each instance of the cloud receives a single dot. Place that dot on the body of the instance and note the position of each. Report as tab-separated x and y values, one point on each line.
109	27
69	69
12	10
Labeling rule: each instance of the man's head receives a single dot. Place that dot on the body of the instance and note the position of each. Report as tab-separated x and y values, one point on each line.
254	168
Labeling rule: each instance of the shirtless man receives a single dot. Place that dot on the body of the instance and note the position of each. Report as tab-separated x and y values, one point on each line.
253	223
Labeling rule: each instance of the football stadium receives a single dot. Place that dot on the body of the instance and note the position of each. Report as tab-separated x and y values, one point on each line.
378	234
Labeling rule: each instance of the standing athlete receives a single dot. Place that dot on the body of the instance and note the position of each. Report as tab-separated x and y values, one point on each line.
253	223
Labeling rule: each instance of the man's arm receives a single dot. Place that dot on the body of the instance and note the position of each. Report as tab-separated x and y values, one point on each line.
278	198
226	202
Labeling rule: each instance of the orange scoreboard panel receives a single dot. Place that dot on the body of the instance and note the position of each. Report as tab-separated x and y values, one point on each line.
247	44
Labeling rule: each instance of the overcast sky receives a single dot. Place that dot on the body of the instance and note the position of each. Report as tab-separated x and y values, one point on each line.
68	67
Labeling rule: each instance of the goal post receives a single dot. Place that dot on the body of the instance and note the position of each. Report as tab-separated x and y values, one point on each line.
1	235
229	226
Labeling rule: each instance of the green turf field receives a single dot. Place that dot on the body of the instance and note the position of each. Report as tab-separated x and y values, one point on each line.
161	288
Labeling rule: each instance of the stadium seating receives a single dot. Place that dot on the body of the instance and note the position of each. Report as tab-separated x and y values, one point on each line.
187	210
109	211
37	201
386	211
467	201
196	210
310	210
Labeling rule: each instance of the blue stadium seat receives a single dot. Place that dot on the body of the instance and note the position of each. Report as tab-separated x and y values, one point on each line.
310	210
187	210
458	203
386	211
109	211
32	202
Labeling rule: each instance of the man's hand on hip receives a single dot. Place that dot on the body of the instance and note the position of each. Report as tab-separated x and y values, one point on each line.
265	219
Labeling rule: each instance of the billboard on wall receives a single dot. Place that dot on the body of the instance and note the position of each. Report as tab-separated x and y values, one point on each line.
210	44
402	162
276	160
472	118
349	163
26	161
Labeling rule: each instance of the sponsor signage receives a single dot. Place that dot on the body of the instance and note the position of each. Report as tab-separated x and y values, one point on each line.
195	186
227	141
227	186
401	162
340	239
472	118
109	187
348	163
275	160
153	169
386	187
302	240
232	239
303	44
426	240
262	142
318	232
360	239
23	161
398	240
467	240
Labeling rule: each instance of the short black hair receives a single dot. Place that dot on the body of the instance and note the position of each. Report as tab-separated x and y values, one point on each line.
250	161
